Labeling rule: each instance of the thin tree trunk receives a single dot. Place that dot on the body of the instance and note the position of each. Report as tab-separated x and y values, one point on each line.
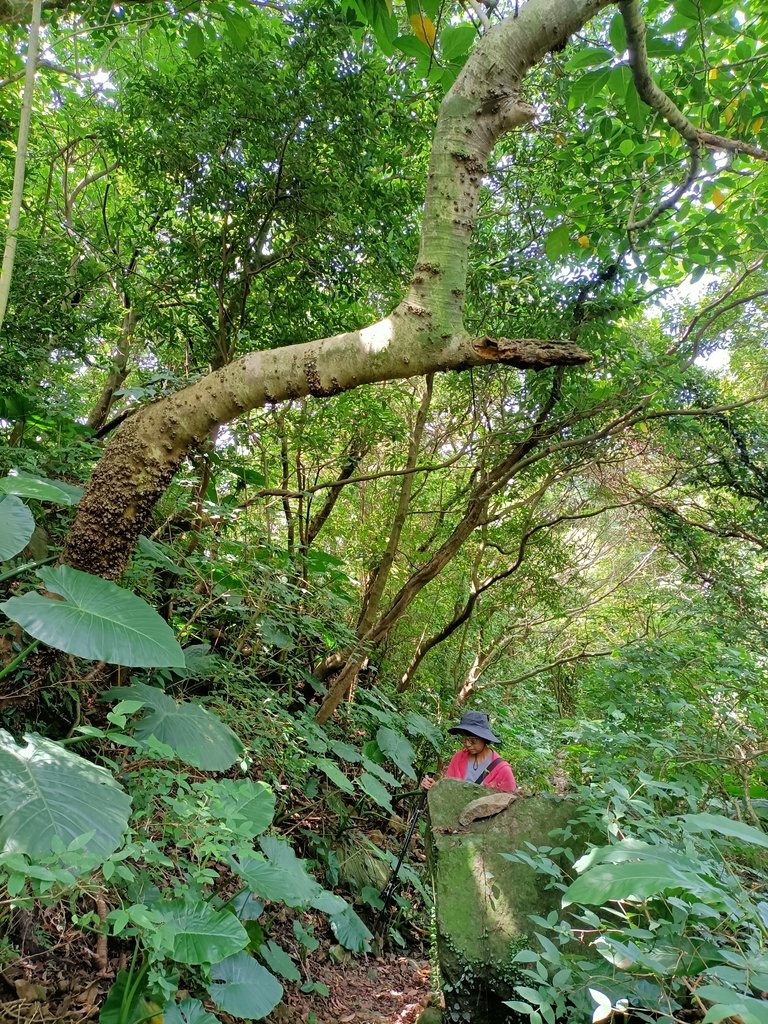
118	373
20	164
380	575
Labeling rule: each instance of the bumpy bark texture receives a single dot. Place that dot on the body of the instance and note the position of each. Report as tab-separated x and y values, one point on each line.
423	335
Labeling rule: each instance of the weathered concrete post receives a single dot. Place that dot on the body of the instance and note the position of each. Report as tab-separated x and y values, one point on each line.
482	900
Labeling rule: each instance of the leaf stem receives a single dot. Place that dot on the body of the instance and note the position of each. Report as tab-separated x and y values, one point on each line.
21	569
18	659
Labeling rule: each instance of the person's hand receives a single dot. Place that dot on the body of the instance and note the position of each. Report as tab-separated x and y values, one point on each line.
427	782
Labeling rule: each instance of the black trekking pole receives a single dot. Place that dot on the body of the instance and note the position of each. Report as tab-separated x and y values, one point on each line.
386	893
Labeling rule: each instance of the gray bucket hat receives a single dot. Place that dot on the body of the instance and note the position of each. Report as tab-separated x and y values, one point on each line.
476	724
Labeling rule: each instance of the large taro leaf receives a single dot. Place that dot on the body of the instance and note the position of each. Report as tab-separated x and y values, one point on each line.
375	790
418	725
242	987
335	774
196	736
202	935
398	749
188	1011
95	619
351	931
41	488
276	958
17	525
48	792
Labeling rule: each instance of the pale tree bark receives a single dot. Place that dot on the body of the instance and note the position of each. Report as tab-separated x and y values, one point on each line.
424	334
20	163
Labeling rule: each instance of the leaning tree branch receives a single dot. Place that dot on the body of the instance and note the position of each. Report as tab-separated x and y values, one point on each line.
657	99
695	138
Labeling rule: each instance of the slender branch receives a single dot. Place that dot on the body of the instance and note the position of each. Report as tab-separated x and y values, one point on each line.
20	164
277	492
732	145
712	307
658	100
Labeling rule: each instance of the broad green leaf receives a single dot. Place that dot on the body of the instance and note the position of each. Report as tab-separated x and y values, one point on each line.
456	40
244	802
375	791
202	935
279	876
125	1002
188	1011
96	619
195	41
346	752
557	242
196	736
637	110
411	46
589	56
328	902
726	827
278	960
38	488
154	552
372	750
732	1004
246	905
418	725
381	773
17	524
617	33
242	987
350	930
589	85
398	749
335	774
635	880
49	793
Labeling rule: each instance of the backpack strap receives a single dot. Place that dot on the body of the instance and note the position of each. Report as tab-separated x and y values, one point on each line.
481	778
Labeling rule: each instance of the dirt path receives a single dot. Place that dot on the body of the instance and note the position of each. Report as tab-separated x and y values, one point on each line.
391	989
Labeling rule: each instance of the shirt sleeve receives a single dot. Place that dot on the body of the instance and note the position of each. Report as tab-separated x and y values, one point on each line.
501	778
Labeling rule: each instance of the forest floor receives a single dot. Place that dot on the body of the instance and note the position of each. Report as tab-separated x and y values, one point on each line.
391	989
65	986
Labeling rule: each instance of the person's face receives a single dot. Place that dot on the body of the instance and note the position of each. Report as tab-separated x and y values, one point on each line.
473	745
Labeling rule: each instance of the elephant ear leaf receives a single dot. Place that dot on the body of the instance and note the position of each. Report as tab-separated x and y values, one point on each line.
50	796
16	526
94	618
195	735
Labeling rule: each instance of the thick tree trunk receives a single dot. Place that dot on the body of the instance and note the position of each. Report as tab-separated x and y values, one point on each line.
423	335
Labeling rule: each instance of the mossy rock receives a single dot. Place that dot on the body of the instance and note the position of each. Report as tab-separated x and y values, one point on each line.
484	901
431	1016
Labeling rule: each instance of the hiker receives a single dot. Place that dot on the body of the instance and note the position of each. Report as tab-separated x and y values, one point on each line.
476	762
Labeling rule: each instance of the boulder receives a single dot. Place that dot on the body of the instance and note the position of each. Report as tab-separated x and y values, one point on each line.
483	902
